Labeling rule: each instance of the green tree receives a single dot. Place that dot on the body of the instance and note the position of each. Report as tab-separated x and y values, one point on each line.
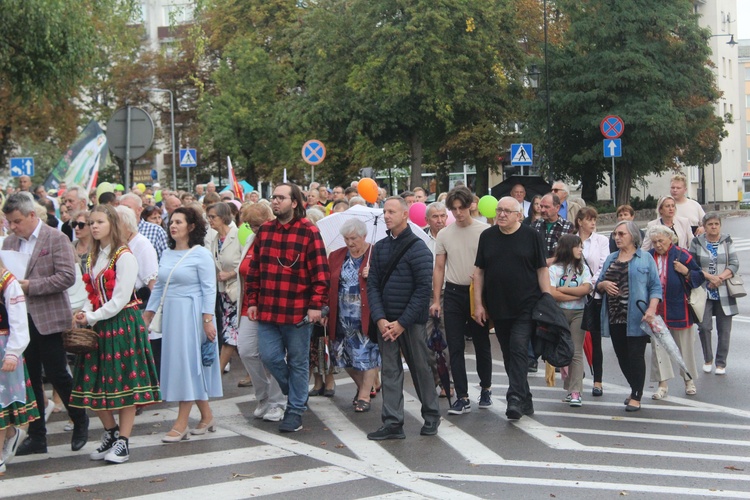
416	72
647	62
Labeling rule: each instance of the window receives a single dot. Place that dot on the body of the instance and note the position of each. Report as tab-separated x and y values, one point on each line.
747	72
178	14
724	67
730	69
748	154
747	101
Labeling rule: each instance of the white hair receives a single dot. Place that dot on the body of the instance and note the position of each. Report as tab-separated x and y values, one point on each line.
357	200
353	226
80	192
127	217
662	230
132	196
516	203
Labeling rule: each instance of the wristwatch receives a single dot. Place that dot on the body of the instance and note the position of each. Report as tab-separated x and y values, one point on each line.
207	320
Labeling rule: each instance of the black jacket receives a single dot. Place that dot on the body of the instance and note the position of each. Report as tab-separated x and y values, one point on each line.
552	340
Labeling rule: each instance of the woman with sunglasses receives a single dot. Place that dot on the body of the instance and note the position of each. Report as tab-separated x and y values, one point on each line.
80	226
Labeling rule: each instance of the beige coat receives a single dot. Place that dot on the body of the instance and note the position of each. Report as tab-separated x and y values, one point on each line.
228	259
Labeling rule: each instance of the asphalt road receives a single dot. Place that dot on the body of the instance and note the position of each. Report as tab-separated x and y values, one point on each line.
679	447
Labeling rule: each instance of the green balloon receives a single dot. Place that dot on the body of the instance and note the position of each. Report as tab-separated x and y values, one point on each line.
487	205
243	233
157	196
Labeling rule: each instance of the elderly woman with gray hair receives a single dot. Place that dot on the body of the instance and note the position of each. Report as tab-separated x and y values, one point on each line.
349	315
629	276
714	252
678	274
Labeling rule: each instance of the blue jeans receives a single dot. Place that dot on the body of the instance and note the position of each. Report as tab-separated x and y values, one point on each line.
285	351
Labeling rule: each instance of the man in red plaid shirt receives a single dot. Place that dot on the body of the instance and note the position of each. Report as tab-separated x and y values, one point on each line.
288	282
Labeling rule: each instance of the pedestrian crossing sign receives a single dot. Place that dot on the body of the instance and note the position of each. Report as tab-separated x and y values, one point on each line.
521	154
188	158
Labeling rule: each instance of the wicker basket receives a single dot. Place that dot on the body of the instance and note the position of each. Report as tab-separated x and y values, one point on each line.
80	340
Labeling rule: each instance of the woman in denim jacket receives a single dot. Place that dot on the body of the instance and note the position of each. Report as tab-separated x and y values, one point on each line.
628	276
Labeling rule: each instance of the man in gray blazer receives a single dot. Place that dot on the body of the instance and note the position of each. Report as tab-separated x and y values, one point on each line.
51	271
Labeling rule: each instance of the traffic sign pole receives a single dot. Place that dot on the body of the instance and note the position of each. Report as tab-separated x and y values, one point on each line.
614	184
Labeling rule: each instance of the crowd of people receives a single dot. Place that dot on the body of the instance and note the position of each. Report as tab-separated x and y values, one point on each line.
175	285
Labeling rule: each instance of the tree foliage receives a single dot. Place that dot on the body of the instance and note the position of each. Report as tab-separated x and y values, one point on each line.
647	62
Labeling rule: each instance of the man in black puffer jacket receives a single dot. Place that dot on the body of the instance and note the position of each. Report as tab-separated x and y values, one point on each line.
399	303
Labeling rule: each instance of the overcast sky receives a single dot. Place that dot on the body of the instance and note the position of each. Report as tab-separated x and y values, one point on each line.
743	19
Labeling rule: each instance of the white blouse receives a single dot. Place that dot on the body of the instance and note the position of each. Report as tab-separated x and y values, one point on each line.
126	273
18	321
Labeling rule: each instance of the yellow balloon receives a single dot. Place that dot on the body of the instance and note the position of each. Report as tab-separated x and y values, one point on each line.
141	187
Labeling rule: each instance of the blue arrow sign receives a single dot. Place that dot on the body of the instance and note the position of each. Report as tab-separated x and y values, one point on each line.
188	158
612	148
521	154
21	166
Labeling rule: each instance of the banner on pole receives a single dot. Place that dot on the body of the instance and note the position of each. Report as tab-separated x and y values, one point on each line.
82	161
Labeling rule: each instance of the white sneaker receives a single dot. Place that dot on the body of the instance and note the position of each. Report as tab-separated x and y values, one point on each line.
275	414
49	409
721	370
707	367
2	467
69	426
228	368
261	409
11	445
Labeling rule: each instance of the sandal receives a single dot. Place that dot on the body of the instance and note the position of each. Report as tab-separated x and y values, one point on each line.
362	406
374	391
661	393
690	389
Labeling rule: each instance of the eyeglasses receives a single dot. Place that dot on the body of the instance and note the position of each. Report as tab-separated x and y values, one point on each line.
77	225
278	197
557	190
505	211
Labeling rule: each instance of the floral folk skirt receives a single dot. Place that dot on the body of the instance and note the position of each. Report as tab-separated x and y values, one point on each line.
18	414
121	372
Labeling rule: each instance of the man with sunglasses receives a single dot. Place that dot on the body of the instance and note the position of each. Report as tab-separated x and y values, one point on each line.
568	209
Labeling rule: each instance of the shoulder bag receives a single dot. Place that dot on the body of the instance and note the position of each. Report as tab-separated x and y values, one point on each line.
372	329
155	326
735	285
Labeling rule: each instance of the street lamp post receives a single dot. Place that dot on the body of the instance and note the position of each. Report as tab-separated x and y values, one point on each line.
171	116
546	87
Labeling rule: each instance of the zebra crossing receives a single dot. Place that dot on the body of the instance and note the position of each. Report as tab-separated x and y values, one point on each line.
679	446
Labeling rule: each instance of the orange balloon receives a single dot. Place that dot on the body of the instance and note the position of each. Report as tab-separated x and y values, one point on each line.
368	189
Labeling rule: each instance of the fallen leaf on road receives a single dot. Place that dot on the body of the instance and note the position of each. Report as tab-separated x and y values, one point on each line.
158	480
275	477
340	446
732	467
235	475
624	493
323	443
83	490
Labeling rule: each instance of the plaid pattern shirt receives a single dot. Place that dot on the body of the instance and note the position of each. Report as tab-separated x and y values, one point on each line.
155	234
551	237
288	272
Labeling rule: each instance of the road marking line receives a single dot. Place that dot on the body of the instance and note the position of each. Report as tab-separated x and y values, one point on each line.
650	421
399	495
134	443
577	484
618	404
658	437
282	482
470	448
100	473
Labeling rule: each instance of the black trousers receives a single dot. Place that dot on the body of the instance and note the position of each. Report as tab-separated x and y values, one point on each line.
630	355
47	351
514	336
458	322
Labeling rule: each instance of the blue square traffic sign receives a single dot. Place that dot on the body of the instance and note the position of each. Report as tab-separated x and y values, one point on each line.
521	154
612	148
188	158
21	166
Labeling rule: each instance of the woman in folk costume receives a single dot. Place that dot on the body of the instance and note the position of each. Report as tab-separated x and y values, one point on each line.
17	404
120	374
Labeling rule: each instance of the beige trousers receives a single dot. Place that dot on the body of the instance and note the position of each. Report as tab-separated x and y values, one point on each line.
661	363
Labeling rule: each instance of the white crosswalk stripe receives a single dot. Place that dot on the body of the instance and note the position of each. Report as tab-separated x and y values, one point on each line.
260	461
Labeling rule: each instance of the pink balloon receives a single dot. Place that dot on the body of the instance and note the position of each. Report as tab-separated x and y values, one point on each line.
451	219
418	213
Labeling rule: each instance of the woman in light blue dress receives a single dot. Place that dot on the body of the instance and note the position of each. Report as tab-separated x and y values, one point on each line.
187	321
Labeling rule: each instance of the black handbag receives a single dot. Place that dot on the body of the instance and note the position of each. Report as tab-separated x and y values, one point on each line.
372	328
592	319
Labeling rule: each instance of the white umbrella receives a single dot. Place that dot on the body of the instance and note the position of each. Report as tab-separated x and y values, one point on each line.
330	226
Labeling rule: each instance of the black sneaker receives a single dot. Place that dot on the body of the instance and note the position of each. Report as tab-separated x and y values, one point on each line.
119	452
514	410
291	423
460	406
388	432
430	428
485	399
108	440
528	408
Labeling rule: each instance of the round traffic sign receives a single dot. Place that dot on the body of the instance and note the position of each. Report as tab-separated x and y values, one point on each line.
313	152
141	132
612	127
